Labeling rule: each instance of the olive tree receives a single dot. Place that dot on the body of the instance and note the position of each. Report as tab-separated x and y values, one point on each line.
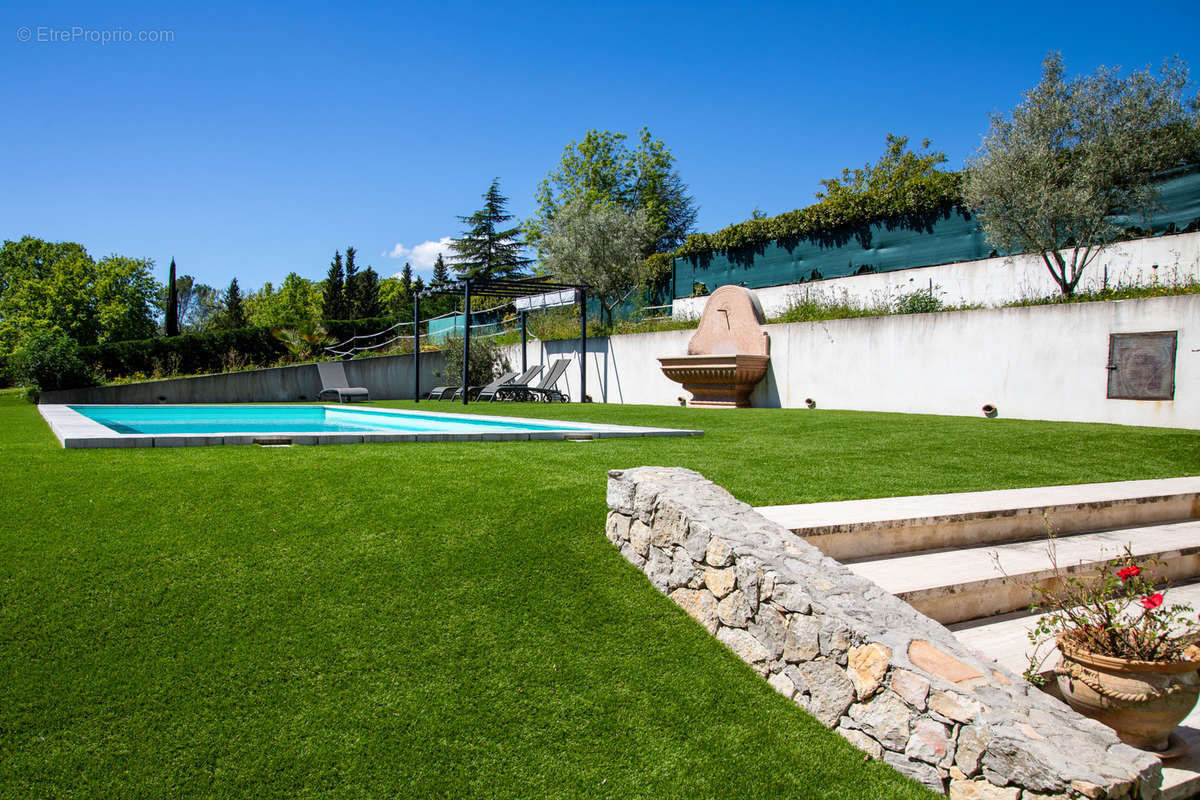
1049	177
600	245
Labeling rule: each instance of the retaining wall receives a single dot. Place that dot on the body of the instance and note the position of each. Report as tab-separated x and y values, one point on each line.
386	377
893	682
990	281
1037	362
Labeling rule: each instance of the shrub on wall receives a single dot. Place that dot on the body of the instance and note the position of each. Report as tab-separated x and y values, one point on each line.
49	360
903	186
486	362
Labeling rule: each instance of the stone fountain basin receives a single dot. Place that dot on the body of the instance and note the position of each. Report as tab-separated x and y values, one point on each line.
717	381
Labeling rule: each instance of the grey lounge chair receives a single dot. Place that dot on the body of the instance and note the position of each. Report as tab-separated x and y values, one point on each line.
440	392
333	379
474	391
544	390
524	378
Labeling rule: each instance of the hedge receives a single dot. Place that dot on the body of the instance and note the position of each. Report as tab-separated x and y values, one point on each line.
203	353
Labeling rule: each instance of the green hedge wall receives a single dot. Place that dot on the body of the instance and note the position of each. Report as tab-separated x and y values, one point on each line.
201	353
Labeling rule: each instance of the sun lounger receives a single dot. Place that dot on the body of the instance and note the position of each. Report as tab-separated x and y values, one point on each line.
543	391
473	391
440	392
524	378
333	379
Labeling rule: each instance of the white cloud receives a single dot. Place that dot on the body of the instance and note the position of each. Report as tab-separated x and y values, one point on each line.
421	256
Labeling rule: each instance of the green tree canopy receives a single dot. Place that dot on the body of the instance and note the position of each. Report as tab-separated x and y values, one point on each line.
124	290
393	299
48	286
900	181
602	169
197	305
296	304
600	245
1075	152
487	249
367	295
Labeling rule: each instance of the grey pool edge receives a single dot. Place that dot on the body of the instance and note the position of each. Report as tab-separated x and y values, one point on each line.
75	431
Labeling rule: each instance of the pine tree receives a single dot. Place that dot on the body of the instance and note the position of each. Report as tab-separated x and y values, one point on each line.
441	273
418	285
483	251
235	313
334	301
350	289
369	305
406	281
172	322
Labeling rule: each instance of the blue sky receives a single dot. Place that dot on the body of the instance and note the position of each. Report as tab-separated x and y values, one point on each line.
262	138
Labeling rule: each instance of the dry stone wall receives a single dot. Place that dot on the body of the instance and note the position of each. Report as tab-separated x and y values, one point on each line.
893	682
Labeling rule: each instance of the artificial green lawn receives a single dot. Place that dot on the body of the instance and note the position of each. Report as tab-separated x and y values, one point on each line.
434	620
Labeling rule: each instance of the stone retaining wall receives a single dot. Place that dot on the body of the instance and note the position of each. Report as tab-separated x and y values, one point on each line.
893	682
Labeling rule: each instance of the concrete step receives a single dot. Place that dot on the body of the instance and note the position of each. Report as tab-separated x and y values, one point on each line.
857	529
976	556
1006	641
970	583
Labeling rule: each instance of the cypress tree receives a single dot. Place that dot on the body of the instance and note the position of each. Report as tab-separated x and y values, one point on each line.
351	287
235	313
334	302
172	322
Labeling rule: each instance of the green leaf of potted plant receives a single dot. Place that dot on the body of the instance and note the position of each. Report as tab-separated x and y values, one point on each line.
1128	659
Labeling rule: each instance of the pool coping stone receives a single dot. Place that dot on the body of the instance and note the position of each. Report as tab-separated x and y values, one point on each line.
73	430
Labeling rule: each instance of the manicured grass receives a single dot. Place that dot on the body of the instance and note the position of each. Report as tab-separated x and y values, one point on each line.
434	620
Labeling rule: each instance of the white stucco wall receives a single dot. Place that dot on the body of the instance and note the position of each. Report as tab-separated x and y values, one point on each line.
1040	362
993	281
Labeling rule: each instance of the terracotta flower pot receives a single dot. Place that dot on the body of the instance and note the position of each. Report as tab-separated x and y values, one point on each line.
1142	701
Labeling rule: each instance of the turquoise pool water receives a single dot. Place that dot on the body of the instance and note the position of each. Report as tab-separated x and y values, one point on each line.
188	419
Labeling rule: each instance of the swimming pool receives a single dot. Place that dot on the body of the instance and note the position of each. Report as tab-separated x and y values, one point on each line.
201	425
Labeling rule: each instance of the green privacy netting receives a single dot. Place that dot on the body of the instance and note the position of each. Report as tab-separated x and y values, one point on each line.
944	238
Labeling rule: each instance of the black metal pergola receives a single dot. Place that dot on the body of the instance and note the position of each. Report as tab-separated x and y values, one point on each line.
508	288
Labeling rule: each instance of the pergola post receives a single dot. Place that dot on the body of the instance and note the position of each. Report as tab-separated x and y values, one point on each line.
564	294
416	348
583	345
466	385
524	365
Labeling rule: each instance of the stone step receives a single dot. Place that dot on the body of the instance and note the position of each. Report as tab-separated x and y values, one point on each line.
857	529
1006	641
976	582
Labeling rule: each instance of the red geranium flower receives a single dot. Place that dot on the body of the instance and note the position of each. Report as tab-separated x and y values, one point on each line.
1153	601
1129	572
